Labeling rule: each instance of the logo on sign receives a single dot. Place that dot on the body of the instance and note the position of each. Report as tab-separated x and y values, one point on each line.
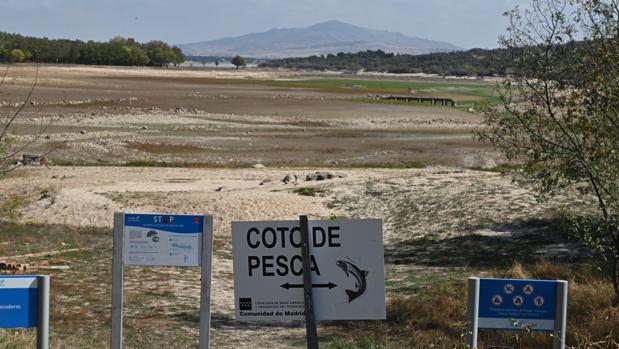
518	301
245	303
360	279
497	300
509	289
528	289
539	301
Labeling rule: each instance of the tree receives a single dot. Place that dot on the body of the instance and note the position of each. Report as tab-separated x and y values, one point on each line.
560	112
9	150
17	55
238	61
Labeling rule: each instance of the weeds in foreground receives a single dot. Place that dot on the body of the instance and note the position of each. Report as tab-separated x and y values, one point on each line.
10	206
436	317
310	191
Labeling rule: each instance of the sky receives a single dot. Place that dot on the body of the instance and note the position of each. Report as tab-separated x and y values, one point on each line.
465	23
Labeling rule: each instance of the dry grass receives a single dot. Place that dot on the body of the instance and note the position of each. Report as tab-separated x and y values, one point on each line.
436	317
161	148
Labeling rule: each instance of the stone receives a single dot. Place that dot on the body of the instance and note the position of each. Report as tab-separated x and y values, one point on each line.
31	160
323	175
290	178
14	267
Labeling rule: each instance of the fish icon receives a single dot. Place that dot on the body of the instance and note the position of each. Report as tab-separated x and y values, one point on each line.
360	278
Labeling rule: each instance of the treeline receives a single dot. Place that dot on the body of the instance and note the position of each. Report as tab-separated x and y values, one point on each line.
220	59
475	62
117	51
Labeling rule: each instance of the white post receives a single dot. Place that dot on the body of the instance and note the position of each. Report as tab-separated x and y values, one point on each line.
43	286
117	282
205	294
472	311
561	317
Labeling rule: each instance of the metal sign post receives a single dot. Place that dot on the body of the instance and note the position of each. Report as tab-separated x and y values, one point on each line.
24	303
472	310
117	282
163	240
310	319
205	283
43	323
561	317
515	304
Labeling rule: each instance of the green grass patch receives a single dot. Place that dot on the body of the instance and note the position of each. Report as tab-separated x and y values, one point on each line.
463	92
310	191
10	206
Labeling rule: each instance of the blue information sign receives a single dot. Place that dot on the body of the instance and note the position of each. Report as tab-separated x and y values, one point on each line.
160	239
516	304
19	301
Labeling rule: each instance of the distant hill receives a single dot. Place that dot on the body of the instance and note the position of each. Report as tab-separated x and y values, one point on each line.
320	39
475	62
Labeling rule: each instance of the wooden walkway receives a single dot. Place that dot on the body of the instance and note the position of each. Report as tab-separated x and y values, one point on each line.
446	102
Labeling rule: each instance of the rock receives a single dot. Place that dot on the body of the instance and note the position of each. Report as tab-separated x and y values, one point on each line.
258	166
144	127
220	189
265	181
83	132
290	178
31	160
14	267
323	175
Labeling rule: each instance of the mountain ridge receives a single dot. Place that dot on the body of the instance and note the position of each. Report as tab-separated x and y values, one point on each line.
329	37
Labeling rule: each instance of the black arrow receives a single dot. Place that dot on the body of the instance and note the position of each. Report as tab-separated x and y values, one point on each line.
288	285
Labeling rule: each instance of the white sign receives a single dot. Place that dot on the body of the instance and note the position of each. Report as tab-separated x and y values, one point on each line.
155	239
347	265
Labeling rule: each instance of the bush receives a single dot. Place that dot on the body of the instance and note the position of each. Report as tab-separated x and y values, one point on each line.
17	55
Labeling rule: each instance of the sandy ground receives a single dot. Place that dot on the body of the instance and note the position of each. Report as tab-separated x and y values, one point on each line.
447	207
105	115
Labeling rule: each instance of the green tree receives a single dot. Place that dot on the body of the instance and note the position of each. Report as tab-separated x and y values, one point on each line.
238	61
560	116
17	55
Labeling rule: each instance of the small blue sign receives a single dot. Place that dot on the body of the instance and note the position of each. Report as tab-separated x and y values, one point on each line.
19	301
516	303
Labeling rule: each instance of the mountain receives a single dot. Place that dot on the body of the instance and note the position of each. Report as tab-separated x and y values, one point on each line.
322	38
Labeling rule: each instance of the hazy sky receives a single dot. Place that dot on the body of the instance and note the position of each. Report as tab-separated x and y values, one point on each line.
466	23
